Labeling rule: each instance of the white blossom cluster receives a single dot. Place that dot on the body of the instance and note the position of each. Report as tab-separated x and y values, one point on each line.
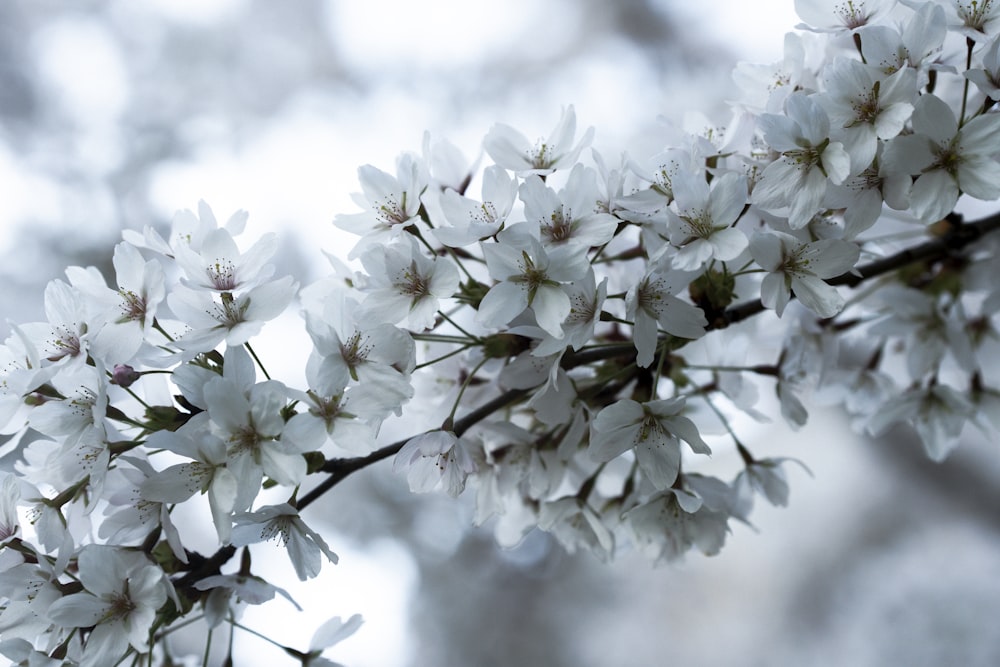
572	328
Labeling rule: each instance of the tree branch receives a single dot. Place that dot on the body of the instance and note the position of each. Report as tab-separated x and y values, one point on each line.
957	237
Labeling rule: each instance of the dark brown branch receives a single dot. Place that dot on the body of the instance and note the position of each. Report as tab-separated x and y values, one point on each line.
957	237
341	468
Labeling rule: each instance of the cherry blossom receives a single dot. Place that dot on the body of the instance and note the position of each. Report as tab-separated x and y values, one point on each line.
530	276
653	429
809	161
282	524
652	304
404	284
548	344
702	228
949	159
512	150
801	268
390	202
122	593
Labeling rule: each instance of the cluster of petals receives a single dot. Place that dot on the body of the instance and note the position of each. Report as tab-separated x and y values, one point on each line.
547	329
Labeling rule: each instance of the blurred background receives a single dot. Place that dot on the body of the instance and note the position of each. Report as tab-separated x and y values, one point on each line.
114	114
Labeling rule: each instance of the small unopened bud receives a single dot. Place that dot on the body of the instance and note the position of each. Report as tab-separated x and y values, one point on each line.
124	375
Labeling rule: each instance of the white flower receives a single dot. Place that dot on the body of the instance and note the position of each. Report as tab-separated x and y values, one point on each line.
764	477
949	160
81	412
187	229
937	412
702	227
282	524
826	16
122	593
652	304
329	634
229	590
206	473
930	330
20	373
128	516
665	167
530	276
233	319
380	357
653	429
219	266
121	320
865	106
972	18
448	168
250	420
391	202
916	47
857	383
348	418
511	150
435	458
765	87
405	285
862	196
472	220
23	653
794	266
575	524
63	338
10	494
673	521
586	302
808	161
28	590
568	217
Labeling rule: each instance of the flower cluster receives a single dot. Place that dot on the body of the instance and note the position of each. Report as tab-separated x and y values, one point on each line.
572	327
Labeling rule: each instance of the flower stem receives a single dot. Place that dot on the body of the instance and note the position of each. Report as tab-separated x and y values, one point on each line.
969	44
257	359
452	322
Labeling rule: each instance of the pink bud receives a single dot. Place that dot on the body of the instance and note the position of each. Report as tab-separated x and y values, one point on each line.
124	375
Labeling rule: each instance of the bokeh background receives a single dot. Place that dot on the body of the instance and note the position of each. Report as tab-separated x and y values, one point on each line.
114	114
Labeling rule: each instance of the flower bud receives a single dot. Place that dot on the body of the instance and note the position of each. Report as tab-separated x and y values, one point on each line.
124	375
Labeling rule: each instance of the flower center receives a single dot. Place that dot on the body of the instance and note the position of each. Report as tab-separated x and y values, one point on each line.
948	158
278	530
121	606
699	224
328	408
354	353
649	297
866	108
133	306
66	344
541	155
486	214
561	226
392	212
974	13
853	15
230	312
581	310
650	426
413	283
222	275
796	264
